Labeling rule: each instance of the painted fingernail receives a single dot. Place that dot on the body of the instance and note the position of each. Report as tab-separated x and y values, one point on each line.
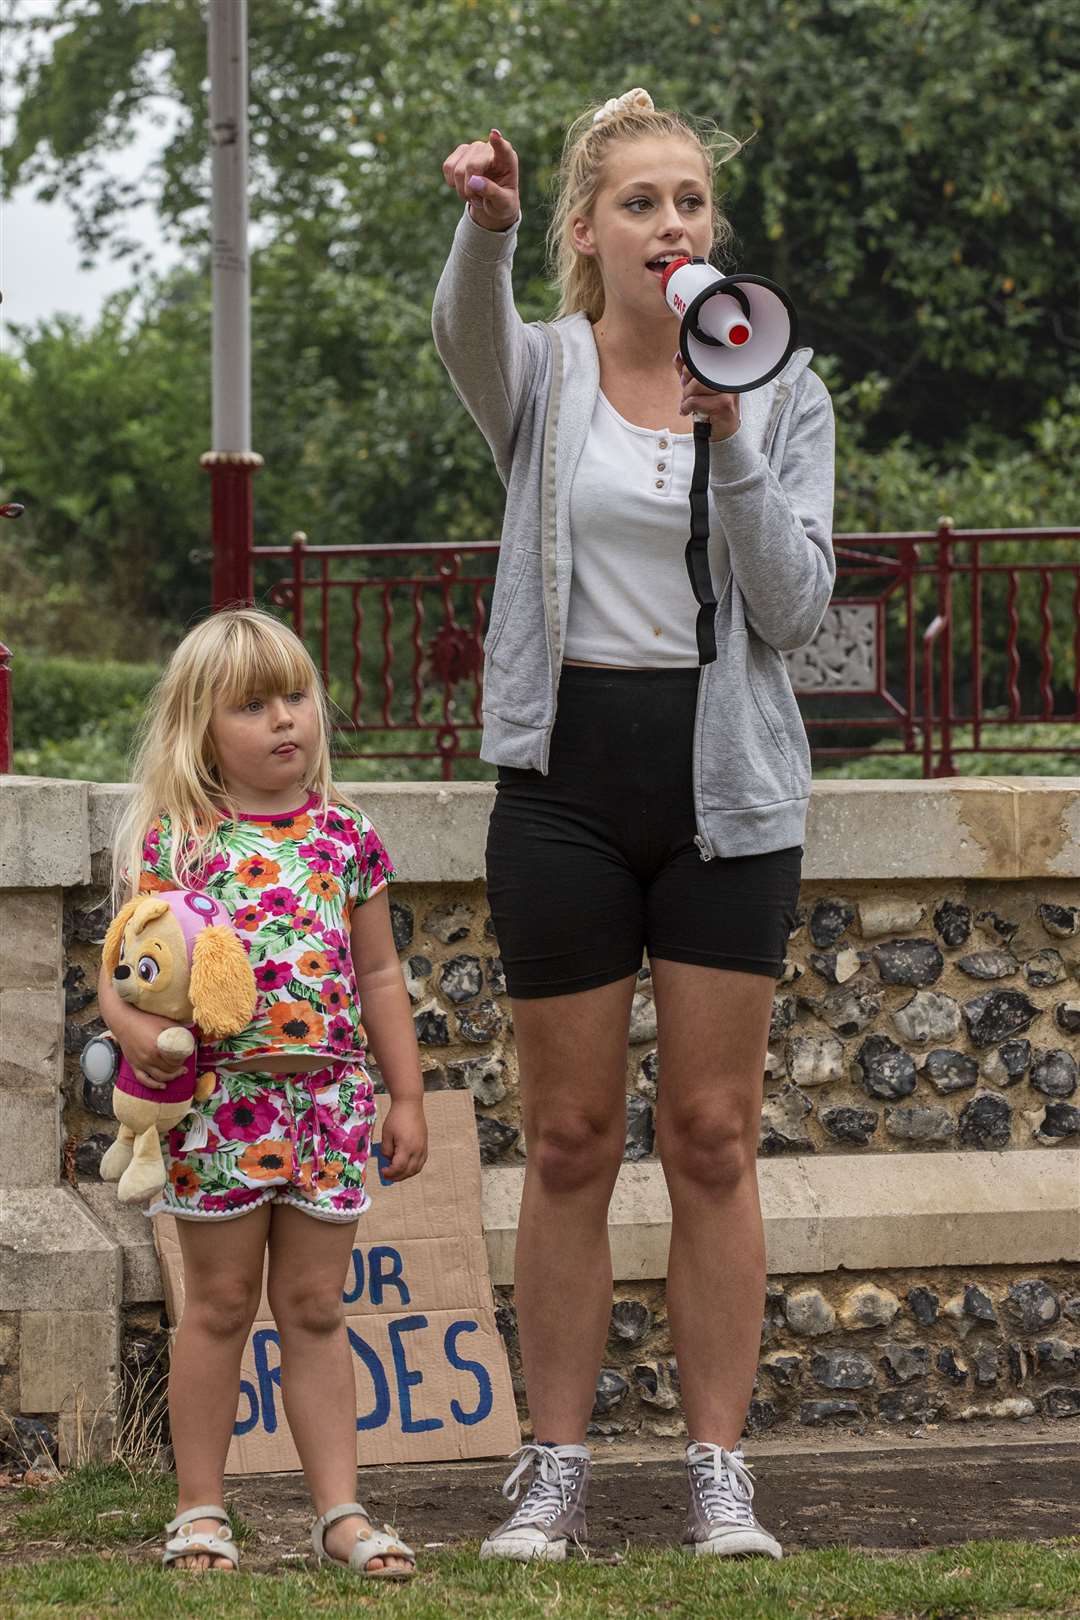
476	182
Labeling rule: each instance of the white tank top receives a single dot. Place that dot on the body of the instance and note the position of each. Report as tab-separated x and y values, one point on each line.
630	598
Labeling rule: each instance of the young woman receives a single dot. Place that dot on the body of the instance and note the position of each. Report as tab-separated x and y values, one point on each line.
645	801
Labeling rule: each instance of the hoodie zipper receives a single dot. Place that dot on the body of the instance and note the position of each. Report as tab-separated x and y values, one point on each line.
548	527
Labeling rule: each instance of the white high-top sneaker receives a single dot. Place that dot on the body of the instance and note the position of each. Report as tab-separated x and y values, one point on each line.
552	1511
721	1518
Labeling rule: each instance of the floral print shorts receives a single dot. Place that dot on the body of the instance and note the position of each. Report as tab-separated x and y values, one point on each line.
300	1139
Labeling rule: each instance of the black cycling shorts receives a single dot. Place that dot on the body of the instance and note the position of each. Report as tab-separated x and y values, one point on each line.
595	863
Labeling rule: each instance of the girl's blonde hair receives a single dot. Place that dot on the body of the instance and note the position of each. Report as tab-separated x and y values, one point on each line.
234	655
577	276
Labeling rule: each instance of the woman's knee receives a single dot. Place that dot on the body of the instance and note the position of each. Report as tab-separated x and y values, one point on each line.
707	1147
572	1154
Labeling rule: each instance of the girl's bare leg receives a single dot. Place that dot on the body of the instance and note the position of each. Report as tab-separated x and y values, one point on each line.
308	1263
223	1267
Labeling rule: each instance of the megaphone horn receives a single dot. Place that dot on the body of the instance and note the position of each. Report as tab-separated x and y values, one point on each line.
737	331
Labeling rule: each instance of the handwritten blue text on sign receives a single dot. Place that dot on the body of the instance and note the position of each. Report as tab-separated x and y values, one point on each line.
393	1379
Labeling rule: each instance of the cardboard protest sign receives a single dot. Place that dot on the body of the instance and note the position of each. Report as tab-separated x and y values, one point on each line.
432	1380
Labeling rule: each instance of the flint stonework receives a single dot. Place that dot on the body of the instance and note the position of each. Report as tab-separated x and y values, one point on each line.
1054	1072
989	965
998	1014
1008	1064
985	1122
952	921
917	962
828	920
887	1070
854	1125
928	1016
950	1071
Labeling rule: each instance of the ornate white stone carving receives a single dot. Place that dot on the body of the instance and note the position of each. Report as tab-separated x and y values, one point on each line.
843	654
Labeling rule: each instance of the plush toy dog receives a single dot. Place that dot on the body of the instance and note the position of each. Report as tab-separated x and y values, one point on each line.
175	954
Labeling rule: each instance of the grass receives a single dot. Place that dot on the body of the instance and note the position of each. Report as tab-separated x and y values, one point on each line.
121	1513
977	1579
908	767
99	1505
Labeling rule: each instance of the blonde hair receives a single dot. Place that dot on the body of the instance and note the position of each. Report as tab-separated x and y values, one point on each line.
589	140
232	656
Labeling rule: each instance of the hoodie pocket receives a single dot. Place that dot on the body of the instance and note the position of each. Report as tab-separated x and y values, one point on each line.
746	761
507	584
517	672
779	708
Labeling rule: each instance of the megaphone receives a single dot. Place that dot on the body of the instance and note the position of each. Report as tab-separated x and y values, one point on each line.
737	331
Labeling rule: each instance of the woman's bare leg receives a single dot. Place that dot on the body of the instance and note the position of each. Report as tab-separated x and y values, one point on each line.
713	1031
572	1056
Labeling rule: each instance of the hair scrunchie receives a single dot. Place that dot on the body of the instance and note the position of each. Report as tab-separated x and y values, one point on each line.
637	100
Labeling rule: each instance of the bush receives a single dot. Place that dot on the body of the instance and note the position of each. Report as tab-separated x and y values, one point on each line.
56	699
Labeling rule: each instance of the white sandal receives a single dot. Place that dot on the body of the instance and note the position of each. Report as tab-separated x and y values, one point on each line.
188	1542
385	1543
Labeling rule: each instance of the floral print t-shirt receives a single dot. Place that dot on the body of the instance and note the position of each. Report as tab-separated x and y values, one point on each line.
290	883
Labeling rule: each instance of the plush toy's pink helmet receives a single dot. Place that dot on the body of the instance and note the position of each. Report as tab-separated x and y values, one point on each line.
193	911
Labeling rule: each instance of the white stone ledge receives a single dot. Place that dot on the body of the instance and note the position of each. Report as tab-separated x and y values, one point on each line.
130	1229
982	827
44	839
861	1213
964	827
54	1256
880	1212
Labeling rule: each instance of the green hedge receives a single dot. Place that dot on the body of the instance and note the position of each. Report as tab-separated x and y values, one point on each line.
54	699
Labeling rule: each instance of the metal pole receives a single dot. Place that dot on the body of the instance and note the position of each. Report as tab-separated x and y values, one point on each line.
231	463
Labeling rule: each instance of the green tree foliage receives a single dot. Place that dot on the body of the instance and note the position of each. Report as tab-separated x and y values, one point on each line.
911	177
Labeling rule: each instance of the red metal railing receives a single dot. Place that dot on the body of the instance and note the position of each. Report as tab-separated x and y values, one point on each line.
5	710
398	633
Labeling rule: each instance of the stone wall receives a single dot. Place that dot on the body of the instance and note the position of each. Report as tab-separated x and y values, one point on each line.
928	1016
918	1347
911	1017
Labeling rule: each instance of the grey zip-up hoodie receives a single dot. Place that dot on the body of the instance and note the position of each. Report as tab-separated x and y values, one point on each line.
531	389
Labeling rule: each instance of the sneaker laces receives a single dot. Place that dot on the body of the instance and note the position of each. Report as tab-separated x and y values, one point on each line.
549	1492
722	1482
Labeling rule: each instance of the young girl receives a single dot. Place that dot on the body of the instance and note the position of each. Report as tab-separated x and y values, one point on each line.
234	796
645	801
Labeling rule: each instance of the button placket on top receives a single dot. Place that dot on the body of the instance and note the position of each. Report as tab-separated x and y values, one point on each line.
663	464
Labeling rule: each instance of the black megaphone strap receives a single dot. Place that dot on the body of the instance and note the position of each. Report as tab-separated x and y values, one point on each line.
697	547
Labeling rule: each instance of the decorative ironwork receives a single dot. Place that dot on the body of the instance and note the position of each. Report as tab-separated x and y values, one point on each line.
453	654
901	660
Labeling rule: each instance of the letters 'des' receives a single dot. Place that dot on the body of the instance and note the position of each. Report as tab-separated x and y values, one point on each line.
432	1379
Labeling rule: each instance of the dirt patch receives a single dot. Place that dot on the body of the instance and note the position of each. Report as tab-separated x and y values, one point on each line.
894	1500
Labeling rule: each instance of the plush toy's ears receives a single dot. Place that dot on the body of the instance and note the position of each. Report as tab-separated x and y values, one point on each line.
222	986
110	953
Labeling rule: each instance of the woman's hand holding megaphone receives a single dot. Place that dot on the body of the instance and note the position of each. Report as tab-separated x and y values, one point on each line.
697	400
485	175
